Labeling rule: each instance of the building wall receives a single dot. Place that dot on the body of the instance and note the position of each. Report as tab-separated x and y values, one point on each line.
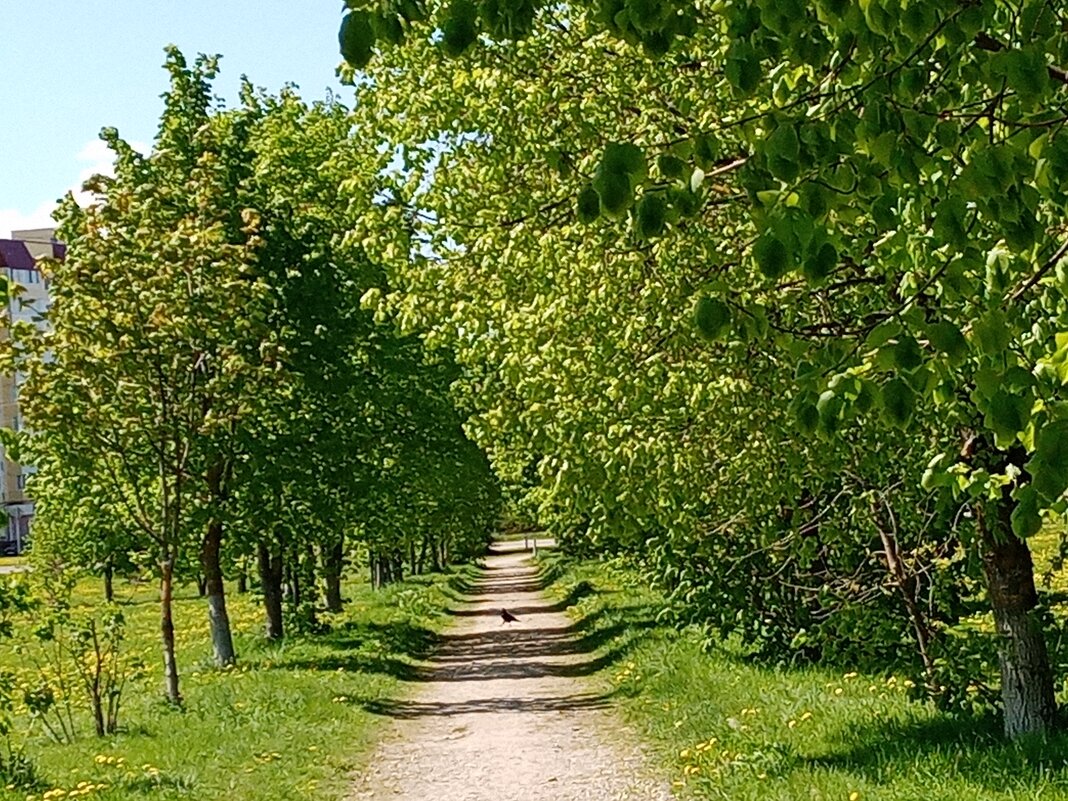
26	303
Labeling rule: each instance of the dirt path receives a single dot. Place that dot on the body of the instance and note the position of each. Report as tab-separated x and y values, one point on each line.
503	713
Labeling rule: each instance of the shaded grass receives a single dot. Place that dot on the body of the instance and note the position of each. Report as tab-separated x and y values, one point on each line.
723	727
281	725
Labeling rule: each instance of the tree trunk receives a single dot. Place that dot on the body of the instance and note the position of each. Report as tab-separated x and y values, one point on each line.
333	561
435	560
202	586
423	554
166	596
109	580
1026	676
222	640
271	572
242	579
293	588
308	594
908	586
411	558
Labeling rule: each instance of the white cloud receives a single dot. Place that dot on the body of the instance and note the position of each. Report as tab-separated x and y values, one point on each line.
14	220
95	159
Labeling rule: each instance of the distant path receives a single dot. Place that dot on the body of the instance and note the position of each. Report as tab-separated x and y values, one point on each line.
504	713
6	569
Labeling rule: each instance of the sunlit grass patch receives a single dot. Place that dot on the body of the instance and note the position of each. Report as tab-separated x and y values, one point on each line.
271	727
724	727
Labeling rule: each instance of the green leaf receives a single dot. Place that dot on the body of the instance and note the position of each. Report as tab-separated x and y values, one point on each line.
589	205
1007	414
626	158
937	473
820	264
459	31
946	338
357	38
670	166
808	417
615	192
1049	466
907	354
991	333
1026	520
772	257
651	215
742	67
949	223
1026	71
897	401
712	317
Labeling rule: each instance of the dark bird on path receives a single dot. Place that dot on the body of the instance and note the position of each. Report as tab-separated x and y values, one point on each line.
507	617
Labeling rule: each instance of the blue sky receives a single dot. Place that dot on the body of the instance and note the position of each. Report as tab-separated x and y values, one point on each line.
70	67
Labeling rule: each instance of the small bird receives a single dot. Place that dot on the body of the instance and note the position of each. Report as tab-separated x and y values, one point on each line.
507	617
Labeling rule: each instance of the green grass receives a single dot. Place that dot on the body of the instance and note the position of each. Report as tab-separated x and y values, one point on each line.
723	727
12	561
290	722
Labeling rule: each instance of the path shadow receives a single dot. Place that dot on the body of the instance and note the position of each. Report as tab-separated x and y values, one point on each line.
417	709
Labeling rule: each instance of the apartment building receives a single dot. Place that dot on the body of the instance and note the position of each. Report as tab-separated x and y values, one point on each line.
25	302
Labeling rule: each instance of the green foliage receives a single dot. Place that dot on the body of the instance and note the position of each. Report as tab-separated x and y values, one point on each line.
721	725
291	720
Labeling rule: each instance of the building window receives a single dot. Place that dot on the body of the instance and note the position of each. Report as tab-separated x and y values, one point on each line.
20	480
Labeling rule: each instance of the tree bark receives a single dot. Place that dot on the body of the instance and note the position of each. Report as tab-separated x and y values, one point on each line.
222	640
109	580
422	555
271	572
166	596
908	586
333	557
1026	676
242	579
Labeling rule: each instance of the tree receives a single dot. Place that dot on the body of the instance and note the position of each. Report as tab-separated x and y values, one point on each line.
871	194
155	353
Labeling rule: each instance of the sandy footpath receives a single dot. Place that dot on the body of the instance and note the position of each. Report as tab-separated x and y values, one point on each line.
504	712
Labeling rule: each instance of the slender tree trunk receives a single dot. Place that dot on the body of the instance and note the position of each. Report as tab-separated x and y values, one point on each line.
411	558
242	579
1026	676
166	596
333	557
435	559
109	580
423	554
293	582
202	586
908	586
309	596
271	573
222	640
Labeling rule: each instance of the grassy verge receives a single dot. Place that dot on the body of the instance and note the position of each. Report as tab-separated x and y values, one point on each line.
289	722
12	561
725	728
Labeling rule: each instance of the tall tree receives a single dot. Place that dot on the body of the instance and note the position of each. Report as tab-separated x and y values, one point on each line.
864	203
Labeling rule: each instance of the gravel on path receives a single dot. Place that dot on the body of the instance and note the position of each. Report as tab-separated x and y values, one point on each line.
505	712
